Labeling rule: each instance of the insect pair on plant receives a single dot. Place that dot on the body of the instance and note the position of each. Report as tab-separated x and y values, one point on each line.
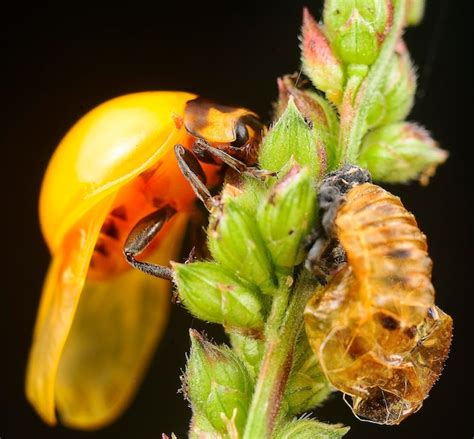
302	220
68	352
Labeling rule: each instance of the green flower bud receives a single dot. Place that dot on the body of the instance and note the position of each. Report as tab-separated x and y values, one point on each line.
318	110
292	139
217	384
356	28
394	101
320	63
398	92
338	12
287	216
212	293
235	242
399	153
311	429
376	111
357	41
249	350
415	9
400	87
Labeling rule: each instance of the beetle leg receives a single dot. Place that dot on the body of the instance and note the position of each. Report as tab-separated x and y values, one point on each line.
193	172
314	260
232	162
140	237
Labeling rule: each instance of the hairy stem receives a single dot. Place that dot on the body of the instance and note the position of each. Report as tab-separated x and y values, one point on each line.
354	109
283	326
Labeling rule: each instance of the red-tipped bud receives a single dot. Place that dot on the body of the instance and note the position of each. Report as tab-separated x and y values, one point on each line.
319	61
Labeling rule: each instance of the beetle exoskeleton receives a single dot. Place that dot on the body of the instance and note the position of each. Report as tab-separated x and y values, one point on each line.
375	328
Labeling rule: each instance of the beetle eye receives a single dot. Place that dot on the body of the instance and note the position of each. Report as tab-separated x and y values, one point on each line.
241	135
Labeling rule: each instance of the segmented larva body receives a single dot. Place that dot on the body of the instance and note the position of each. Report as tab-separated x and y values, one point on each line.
375	327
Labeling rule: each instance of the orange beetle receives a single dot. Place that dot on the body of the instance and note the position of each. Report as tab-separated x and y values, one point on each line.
118	184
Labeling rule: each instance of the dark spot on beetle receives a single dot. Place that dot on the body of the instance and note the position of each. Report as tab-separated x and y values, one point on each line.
400	253
101	248
148	173
388	322
119	212
410	332
110	229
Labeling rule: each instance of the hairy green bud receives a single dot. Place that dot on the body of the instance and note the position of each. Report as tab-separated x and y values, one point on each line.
311	429
394	101
338	12
319	111
235	242
287	216
217	384
292	139
356	28
357	41
212	293
399	153
400	88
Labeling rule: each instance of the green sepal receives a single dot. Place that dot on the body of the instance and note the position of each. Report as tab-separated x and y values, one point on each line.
287	216
319	111
357	42
394	101
291	139
337	13
234	241
212	293
400	87
217	384
399	153
356	28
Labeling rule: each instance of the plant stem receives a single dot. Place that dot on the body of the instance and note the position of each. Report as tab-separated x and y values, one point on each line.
283	327
354	110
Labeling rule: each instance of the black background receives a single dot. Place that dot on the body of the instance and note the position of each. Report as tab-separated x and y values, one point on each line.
62	60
